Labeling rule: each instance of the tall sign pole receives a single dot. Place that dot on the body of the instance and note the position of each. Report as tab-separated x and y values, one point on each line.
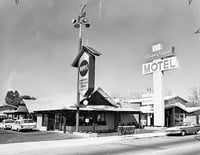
78	23
158	98
157	62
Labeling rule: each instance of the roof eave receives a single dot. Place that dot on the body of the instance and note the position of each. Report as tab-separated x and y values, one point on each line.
87	49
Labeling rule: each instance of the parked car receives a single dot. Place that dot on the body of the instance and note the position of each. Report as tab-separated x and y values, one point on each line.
24	124
183	128
7	124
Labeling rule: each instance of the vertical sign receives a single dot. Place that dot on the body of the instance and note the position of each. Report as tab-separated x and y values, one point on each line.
86	74
158	61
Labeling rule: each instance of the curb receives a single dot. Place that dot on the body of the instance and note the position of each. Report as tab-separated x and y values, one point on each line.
146	135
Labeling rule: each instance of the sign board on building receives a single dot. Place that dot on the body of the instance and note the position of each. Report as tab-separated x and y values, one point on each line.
160	65
158	52
147	99
147	109
157	47
86	74
85	62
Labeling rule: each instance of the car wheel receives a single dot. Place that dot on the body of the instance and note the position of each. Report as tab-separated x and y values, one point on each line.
183	133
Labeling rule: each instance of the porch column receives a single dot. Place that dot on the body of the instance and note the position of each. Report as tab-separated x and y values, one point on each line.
140	123
64	123
149	119
173	116
197	118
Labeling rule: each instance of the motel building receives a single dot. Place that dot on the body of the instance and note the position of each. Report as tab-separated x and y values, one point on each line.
101	114
104	114
176	110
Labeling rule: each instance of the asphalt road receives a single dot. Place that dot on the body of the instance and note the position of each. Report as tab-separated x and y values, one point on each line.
173	145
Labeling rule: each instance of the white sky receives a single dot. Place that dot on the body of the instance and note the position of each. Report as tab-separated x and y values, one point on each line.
38	44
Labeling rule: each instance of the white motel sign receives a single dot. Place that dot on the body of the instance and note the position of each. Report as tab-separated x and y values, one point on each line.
160	65
158	61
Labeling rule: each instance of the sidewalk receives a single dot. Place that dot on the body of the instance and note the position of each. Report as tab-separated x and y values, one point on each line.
138	132
13	148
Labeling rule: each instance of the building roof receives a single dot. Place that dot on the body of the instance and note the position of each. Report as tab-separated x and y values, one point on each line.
183	107
22	109
59	102
105	96
170	101
7	106
88	50
68	103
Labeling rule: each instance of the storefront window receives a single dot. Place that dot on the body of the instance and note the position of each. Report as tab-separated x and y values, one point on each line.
44	120
179	117
101	119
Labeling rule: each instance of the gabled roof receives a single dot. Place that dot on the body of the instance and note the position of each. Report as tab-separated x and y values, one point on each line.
22	109
88	50
183	107
100	97
59	102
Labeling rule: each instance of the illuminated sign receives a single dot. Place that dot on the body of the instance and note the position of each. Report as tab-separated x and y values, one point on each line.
84	67
147	99
158	52
160	65
157	47
86	74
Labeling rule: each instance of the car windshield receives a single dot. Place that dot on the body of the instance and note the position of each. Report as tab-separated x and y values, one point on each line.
9	121
183	124
28	121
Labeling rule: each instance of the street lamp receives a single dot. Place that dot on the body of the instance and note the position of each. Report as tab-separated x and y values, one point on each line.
78	23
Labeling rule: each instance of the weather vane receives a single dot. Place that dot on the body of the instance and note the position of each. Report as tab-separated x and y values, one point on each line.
81	20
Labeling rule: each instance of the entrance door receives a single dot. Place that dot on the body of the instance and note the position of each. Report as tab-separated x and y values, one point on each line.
58	121
51	121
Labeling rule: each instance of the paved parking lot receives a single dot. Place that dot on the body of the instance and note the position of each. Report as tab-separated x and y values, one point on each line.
9	136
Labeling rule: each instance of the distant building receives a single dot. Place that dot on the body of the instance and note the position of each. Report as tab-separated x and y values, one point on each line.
4	109
177	109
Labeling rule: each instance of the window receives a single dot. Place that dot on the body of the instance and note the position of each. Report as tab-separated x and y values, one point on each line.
101	119
44	120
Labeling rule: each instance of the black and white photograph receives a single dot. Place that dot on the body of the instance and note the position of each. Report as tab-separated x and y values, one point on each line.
99	77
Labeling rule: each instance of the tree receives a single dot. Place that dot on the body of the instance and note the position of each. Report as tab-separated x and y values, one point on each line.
14	98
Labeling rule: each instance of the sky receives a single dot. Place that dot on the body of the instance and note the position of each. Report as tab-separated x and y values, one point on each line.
38	44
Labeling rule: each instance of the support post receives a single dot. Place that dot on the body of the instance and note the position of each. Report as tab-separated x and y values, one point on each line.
158	99
64	123
78	93
173	116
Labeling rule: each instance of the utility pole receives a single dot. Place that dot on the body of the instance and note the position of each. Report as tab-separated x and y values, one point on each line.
78	23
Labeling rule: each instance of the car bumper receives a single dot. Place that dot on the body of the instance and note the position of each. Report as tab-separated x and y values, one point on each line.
7	127
173	132
28	128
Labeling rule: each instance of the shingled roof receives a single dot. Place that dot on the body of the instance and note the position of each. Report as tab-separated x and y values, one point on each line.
88	50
